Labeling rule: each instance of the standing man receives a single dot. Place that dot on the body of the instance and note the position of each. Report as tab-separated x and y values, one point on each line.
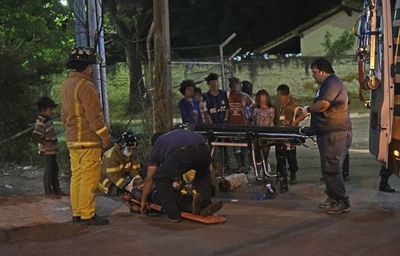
85	133
330	122
217	109
175	153
216	101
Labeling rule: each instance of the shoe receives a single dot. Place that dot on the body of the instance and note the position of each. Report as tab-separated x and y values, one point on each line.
53	196
76	219
338	208
95	221
211	209
328	203
293	178
174	220
385	187
283	185
61	193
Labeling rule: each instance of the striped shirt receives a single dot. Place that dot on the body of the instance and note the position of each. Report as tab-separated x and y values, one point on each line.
45	135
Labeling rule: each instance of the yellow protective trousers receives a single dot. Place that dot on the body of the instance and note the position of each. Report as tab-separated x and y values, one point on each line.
85	168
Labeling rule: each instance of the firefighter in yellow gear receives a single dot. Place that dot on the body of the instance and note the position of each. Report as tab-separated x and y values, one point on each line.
120	166
86	134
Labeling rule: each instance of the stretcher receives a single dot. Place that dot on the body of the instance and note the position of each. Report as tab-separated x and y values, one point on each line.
252	137
211	219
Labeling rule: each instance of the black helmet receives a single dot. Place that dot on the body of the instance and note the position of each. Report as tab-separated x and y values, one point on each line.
127	139
82	56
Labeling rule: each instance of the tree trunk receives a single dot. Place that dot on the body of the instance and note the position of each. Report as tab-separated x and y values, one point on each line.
136	84
162	97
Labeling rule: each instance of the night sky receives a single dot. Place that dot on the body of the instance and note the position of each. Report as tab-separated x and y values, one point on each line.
256	22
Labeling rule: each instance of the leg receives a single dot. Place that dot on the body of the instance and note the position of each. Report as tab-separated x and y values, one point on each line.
345	168
89	178
280	152
333	148
54	176
167	197
48	166
75	181
292	161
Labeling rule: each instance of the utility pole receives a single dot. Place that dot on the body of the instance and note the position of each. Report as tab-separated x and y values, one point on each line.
89	33
162	96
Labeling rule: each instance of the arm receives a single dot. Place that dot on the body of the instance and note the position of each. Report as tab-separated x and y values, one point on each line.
91	105
185	114
319	106
38	132
227	108
148	186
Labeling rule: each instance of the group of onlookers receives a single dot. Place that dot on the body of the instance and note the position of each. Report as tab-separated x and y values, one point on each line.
237	107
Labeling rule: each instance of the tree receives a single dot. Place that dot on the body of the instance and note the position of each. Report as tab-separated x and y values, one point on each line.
132	20
340	46
34	38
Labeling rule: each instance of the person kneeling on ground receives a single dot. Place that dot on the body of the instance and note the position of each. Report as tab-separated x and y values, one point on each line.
120	170
175	153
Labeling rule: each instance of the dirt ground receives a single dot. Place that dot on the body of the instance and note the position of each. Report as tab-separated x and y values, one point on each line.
291	224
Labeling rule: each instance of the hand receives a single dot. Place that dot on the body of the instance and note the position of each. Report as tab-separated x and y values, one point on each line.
143	206
306	110
106	142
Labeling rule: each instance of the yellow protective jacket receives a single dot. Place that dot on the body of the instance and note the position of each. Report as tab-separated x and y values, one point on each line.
81	113
117	169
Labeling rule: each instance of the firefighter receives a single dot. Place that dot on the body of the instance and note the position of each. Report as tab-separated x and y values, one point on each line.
120	167
85	133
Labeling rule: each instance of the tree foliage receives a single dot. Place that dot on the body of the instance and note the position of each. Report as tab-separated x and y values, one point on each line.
34	38
340	46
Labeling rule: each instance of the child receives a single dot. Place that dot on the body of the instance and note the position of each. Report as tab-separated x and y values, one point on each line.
263	115
45	135
238	103
189	108
198	97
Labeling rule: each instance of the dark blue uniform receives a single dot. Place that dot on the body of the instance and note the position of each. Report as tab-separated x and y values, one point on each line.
177	152
334	135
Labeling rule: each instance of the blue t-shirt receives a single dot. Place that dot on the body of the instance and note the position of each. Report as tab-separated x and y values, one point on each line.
190	111
216	106
337	116
167	143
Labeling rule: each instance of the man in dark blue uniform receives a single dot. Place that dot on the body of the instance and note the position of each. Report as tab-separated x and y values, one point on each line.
175	153
330	122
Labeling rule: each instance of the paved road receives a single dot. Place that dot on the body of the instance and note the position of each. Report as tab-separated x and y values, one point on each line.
291	224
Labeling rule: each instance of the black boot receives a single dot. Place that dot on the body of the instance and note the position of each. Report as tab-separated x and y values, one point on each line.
95	221
384	186
283	185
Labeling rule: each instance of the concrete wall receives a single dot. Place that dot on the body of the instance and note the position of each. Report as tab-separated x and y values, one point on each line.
336	24
269	74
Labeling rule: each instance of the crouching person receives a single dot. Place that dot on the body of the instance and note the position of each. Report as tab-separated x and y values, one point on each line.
175	153
120	170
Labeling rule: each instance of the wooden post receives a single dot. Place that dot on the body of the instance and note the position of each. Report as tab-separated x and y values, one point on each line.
162	96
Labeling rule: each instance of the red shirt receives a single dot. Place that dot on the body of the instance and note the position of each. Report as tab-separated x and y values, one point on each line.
237	103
